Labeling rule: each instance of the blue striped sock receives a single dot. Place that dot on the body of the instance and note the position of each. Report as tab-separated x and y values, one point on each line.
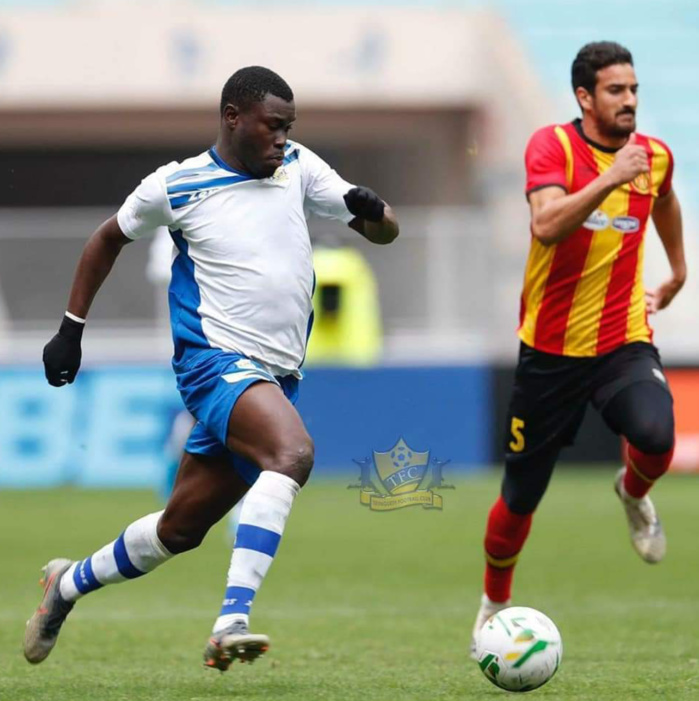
262	519
135	552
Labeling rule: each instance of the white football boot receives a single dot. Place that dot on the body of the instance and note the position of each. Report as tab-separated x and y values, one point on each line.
647	535
488	608
234	643
43	627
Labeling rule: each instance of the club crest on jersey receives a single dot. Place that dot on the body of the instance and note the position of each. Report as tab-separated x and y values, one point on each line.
597	221
280	176
641	183
400	477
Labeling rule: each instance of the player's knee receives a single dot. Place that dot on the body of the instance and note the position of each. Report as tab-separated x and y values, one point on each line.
178	538
520	502
655	444
293	459
652	435
524	485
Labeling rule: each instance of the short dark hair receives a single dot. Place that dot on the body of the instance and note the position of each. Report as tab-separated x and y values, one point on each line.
251	84
594	57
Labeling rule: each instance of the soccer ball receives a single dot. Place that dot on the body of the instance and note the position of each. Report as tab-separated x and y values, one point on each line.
519	649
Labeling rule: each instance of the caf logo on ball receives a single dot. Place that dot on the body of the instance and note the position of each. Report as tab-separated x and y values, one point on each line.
519	649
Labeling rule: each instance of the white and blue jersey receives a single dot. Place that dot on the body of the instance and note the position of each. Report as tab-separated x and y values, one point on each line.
242	279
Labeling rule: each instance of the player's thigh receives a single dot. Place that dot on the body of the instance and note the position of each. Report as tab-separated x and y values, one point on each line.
643	413
265	427
547	405
532	449
249	411
546	409
206	489
634	398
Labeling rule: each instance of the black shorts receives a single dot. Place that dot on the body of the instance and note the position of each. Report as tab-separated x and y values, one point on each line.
551	393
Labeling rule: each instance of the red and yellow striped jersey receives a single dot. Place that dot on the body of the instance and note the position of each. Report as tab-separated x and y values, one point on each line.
585	296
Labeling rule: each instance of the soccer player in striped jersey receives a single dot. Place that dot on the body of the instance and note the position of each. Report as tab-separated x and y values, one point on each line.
241	312
592	186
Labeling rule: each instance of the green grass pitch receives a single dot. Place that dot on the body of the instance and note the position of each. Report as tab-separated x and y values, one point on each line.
362	605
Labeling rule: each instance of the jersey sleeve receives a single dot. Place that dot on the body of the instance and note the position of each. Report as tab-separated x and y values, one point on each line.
324	189
666	184
545	161
145	209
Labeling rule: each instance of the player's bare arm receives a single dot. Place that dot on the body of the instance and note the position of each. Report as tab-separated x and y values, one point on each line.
374	219
667	217
62	354
555	215
382	232
95	263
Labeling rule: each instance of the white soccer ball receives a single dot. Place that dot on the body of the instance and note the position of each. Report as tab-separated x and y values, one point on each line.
519	649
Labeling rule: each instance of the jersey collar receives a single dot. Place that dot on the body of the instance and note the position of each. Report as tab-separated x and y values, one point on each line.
577	124
221	163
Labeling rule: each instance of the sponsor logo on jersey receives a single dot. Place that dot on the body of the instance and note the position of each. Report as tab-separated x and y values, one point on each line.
597	221
400	477
627	225
200	195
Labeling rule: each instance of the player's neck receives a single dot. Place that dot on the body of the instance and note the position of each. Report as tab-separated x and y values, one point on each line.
592	133
226	153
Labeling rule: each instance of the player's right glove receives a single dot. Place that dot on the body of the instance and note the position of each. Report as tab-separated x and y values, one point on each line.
62	354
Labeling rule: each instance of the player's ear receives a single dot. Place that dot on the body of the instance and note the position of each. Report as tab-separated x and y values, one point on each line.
584	98
231	114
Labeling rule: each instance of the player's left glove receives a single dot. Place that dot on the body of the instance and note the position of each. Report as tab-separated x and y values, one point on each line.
62	354
365	204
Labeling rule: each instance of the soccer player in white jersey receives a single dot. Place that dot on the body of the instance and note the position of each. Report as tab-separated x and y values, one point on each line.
241	313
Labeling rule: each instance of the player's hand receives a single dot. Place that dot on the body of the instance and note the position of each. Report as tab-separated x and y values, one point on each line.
631	160
365	204
62	354
662	296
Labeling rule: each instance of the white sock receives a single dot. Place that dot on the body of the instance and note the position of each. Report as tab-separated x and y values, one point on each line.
135	552
262	519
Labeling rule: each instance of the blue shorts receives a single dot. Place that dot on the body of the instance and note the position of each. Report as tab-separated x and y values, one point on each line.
210	386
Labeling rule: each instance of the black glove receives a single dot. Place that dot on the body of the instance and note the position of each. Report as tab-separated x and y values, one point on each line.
62	354
365	204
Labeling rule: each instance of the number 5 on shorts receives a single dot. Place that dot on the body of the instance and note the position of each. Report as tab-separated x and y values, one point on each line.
517	444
